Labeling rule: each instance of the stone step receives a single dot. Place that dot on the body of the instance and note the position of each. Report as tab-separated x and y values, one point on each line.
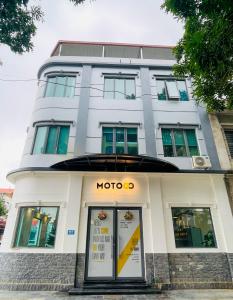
114	291
138	285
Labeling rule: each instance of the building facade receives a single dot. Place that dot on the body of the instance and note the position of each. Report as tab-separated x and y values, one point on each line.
120	179
222	126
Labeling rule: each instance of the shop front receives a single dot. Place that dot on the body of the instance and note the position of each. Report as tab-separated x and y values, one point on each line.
72	229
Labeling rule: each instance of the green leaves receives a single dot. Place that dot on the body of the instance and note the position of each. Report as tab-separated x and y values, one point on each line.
18	23
3	210
206	50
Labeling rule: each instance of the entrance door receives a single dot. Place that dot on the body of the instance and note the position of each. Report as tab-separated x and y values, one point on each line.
114	244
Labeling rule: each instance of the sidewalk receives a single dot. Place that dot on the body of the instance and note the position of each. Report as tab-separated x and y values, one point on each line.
167	295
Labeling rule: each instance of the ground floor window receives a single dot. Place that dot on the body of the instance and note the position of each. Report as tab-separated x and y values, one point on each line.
36	227
193	227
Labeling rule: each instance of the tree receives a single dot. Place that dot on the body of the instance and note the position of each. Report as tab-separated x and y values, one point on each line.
205	52
3	210
17	23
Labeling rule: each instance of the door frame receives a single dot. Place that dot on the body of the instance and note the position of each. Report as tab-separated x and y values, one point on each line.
114	278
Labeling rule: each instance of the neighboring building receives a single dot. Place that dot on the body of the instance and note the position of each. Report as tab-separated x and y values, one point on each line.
120	180
222	126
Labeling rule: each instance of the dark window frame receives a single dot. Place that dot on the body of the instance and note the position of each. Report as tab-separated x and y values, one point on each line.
114	138
212	224
17	224
165	80
126	97
229	143
46	138
185	141
65	86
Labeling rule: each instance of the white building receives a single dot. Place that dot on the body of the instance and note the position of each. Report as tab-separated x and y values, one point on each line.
107	191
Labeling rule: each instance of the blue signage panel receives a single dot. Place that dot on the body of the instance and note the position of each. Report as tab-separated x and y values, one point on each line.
70	231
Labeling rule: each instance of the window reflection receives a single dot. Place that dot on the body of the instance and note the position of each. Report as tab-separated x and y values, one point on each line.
193	227
119	88
36	227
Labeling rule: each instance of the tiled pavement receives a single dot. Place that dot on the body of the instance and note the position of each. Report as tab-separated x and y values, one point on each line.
166	295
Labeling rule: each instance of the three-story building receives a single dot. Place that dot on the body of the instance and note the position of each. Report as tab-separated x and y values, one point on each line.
120	180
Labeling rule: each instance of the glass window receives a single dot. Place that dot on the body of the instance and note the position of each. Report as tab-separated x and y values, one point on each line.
172	90
60	86
161	90
109	88
36	227
193	227
132	141
107	140
130	89
229	139
51	139
179	142
119	140
119	88
40	140
183	93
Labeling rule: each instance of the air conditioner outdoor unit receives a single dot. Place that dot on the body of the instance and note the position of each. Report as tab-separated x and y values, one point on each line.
201	162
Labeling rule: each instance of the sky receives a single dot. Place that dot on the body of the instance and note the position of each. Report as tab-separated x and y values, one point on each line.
123	21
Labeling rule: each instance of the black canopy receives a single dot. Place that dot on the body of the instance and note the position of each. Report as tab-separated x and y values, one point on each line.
115	163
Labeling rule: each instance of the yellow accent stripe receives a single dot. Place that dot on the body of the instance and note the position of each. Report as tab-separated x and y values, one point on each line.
127	251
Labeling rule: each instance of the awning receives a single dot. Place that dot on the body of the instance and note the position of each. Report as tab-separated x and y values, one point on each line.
115	163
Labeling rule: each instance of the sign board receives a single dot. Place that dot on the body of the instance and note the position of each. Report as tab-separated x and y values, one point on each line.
70	231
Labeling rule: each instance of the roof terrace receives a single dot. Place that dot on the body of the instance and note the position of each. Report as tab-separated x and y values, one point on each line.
117	50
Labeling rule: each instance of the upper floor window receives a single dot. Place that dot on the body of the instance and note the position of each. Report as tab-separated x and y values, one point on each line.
119	88
172	90
60	86
179	142
51	139
229	139
36	227
193	227
119	140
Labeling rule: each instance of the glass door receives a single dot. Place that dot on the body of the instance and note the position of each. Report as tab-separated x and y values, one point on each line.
114	244
129	244
100	244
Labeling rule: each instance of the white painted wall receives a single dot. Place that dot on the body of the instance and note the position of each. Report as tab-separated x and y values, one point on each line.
73	192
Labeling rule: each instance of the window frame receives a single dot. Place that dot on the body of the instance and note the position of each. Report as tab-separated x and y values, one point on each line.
126	77
172	129
114	128
212	223
17	223
226	141
56	84
49	125
167	79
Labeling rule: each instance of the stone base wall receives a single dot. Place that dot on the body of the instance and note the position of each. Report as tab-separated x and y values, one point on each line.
80	270
190	270
157	268
37	271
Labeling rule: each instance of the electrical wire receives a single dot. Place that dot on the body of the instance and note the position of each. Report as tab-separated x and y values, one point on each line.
81	87
76	86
